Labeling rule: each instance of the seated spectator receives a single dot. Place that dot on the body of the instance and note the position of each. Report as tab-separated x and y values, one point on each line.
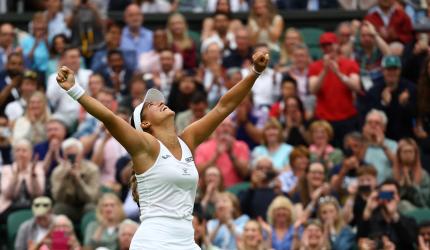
221	32
292	38
168	70
358	194
7	43
228	223
380	150
56	49
252	237
313	237
154	6
281	218
137	89
149	62
33	231
422	128
126	231
10	78
255	200
294	123
339	235
60	234
96	83
288	89
198	108
60	102
381	218
357	5
231	6
200	236
75	182
395	96
104	231
50	150
265	24
391	21
5	143
182	91
31	126
424	235
228	154
273	145
414	181
26	89
35	47
240	56
180	41
56	20
299	162
22	181
212	185
321	133
115	72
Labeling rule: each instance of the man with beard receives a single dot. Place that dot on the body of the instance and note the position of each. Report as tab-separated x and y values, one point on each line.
10	78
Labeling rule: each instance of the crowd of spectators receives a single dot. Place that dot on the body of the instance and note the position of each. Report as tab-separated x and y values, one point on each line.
329	152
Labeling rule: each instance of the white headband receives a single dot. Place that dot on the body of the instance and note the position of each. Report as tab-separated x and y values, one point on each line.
152	95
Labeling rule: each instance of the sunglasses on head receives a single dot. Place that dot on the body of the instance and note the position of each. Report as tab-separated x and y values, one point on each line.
41	205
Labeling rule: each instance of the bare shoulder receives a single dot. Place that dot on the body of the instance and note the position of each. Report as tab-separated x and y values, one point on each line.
146	157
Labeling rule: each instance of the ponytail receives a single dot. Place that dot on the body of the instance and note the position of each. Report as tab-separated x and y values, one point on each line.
133	186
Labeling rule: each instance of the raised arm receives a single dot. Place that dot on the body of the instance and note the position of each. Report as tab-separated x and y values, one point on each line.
198	131
133	141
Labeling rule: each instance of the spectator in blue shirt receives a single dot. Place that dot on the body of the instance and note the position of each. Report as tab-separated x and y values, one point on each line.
134	36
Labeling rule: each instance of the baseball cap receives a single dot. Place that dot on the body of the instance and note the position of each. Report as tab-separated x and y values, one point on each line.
152	95
328	38
41	206
391	62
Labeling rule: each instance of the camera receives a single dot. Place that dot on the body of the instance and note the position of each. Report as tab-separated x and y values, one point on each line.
385	195
270	176
364	189
72	158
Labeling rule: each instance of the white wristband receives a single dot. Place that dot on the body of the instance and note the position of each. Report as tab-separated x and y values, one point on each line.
255	71
76	91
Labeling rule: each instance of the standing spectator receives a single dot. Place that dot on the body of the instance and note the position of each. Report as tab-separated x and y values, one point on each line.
391	21
292	38
240	56
221	32
252	237
180	41
75	182
395	96
21	181
56	20
126	230
273	145
414	181
299	162
295	123
58	45
345	35
34	230
380	150
35	47
31	126
5	145
382	218
233	6
255	200
211	186
154	6
59	100
228	154
321	133
313	237
422	128
135	37
334	80
104	231
10	78
339	234
265	24
7	42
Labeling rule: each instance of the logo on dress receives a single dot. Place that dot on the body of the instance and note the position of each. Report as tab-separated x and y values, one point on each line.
185	171
189	159
165	156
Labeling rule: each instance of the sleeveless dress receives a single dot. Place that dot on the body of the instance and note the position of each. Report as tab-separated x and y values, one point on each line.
166	196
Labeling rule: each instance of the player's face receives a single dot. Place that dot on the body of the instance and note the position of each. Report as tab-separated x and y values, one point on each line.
157	112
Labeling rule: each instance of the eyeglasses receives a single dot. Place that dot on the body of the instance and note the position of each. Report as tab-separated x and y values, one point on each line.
30	74
45	205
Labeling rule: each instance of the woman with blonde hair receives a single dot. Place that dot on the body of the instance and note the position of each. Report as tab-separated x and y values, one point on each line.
31	126
338	233
292	39
180	41
281	218
227	226
104	231
321	133
252	238
265	24
273	145
408	172
212	185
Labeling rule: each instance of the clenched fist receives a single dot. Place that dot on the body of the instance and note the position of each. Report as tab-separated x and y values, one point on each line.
65	77
260	59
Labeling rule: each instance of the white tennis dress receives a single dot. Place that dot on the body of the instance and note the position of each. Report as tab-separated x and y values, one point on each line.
166	196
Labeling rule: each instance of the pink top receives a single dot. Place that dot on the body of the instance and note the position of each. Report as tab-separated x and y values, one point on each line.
111	153
206	151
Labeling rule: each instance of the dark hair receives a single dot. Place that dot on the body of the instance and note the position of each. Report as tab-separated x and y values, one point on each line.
17	54
52	51
114	52
367	170
423	224
390	181
69	48
112	24
198	97
288	78
299	102
220	13
107	91
423	91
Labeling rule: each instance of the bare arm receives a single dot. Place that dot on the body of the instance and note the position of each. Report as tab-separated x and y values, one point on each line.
315	82
4	94
198	131
275	30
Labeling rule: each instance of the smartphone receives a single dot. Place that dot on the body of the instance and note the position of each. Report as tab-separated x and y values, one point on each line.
364	189
385	195
59	240
270	176
72	158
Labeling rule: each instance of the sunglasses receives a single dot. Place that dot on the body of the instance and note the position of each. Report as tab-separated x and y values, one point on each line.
45	205
30	74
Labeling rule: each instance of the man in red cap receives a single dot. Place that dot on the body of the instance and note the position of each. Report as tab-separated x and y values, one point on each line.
334	80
